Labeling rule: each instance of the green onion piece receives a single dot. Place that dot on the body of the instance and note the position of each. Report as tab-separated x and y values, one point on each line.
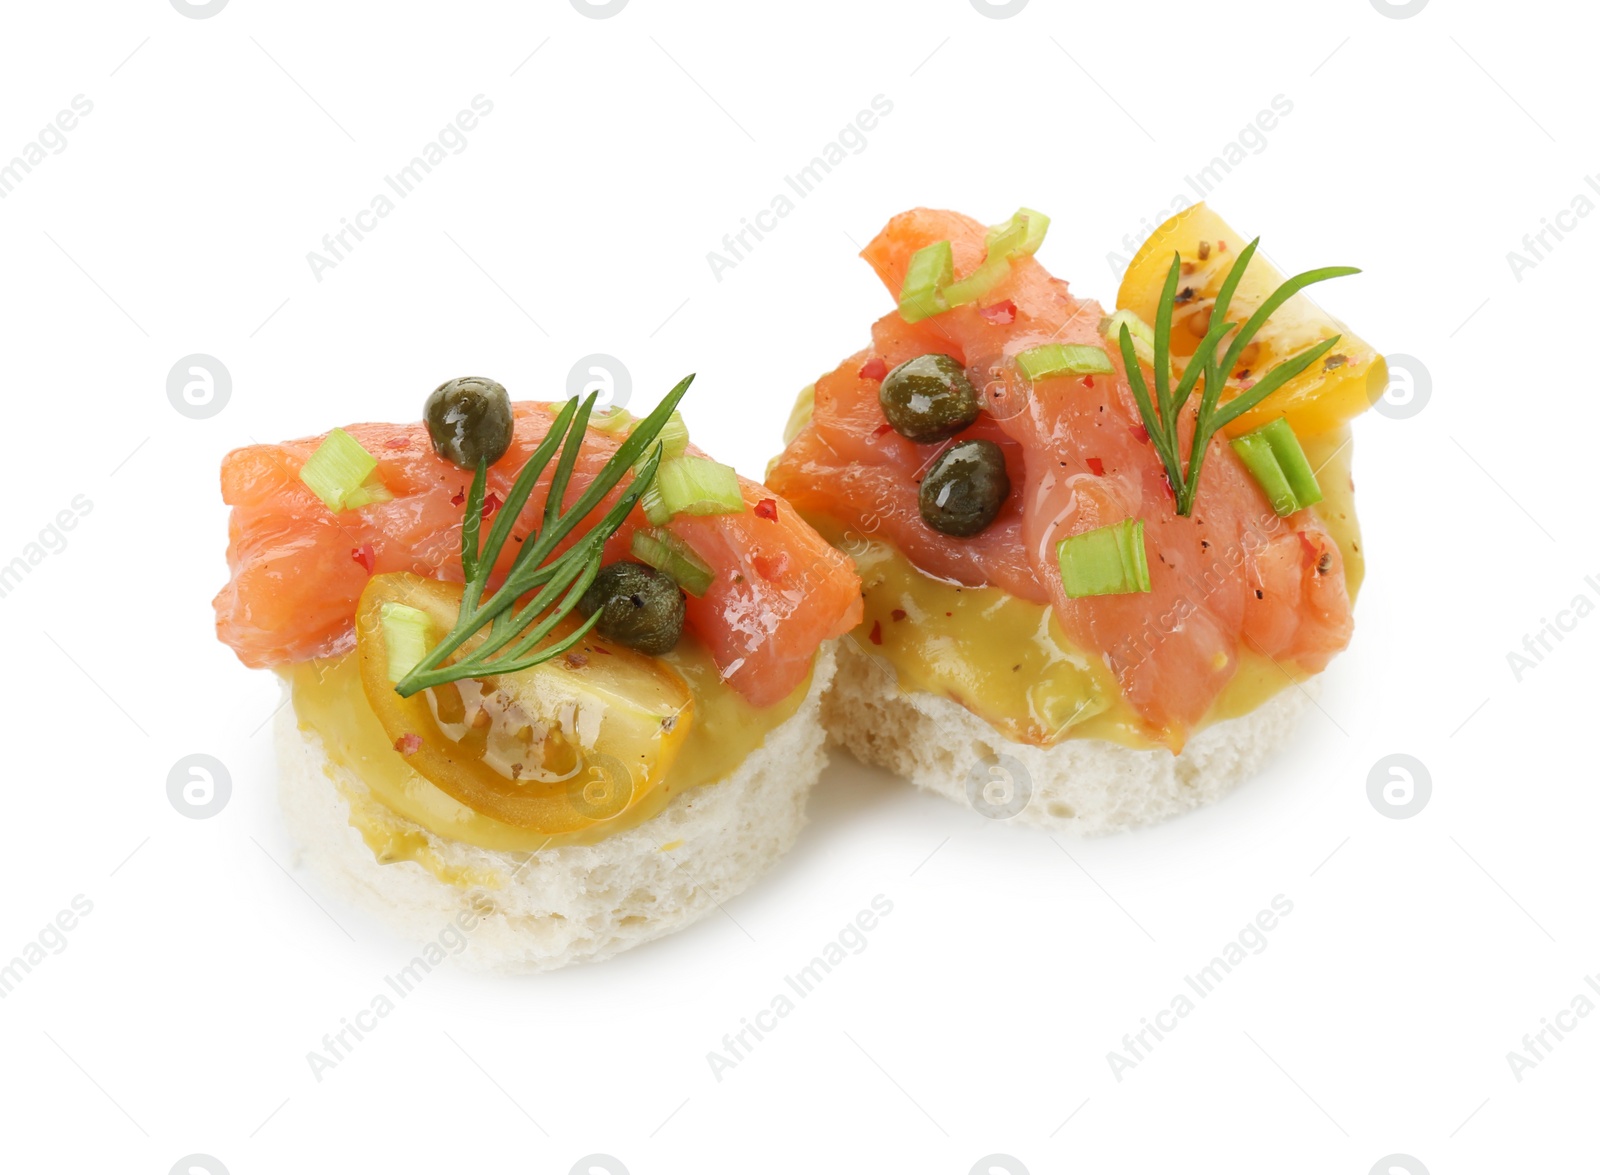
665	551
614	420
1142	333
674	440
1038	225
405	636
1063	359
654	506
1017	237
370	491
932	268
1273	455
697	485
341	473
1109	561
979	282
1022	234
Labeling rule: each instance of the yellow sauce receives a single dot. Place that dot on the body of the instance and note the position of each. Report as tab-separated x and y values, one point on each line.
1009	662
329	702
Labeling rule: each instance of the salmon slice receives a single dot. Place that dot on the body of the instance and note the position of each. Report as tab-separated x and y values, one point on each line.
1232	576
298	569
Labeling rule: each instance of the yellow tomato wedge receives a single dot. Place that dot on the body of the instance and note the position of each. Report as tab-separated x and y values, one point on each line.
1343	385
555	749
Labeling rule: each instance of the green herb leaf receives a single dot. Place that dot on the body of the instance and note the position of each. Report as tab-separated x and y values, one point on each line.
1161	413
511	636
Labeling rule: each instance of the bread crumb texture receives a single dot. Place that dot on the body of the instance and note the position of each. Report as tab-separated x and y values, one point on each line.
1084	786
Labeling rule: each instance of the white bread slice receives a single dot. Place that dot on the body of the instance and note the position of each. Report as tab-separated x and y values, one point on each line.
571	904
1084	786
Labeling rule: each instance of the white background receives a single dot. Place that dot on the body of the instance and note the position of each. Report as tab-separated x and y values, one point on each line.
177	219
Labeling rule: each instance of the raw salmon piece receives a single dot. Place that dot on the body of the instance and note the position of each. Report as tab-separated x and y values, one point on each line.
298	569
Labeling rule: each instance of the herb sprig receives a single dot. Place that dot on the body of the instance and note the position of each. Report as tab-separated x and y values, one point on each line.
513	634
1161	415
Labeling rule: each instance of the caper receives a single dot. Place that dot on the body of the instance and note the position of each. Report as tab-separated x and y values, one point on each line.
469	420
928	398
965	488
639	606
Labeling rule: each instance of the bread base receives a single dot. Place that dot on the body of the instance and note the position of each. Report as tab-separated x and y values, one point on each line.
572	904
1084	786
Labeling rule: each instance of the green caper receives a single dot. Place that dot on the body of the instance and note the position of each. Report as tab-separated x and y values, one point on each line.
469	420
928	398
639	606
965	488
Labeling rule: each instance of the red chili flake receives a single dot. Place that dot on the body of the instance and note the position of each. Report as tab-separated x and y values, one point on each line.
602	652
1096	466
491	504
408	744
1312	551
459	496
577	660
1139	434
876	635
1088	381
1000	314
767	508
898	614
881	429
364	556
874	368
397	443
1222	246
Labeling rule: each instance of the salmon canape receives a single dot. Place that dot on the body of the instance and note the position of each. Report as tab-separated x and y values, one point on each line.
1102	553
555	673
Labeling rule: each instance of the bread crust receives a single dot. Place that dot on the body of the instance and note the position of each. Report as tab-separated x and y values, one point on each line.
1084	786
575	903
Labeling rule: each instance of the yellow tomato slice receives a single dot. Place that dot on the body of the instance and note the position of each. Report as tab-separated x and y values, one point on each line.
1343	385
555	749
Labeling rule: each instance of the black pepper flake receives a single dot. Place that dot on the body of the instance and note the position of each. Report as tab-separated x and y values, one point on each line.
1258	594
1185	296
1325	564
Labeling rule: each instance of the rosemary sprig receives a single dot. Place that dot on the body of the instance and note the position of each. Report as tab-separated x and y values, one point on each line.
513	636
1162	413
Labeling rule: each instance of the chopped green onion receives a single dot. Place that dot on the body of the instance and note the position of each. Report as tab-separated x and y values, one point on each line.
665	551
1140	331
614	420
1017	237
1273	455
673	437
654	506
342	473
1063	359
405	636
932	268
370	491
1022	234
697	485
979	282
1109	561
